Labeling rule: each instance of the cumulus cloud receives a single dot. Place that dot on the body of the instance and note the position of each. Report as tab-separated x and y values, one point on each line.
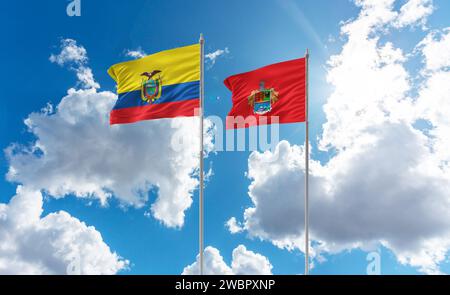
76	152
433	99
234	226
436	50
71	53
86	78
54	244
388	181
414	12
138	53
244	262
75	57
212	57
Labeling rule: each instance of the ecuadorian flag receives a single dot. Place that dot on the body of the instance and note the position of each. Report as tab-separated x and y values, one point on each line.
162	85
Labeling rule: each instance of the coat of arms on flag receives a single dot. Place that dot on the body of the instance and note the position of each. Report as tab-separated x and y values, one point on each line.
152	86
262	100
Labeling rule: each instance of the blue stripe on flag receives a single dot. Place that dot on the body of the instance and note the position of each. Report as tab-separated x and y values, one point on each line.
170	93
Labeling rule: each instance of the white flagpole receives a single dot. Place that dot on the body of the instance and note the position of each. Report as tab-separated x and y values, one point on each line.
201	216
306	169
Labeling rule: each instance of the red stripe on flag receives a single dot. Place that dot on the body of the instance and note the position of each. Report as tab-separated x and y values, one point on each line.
185	108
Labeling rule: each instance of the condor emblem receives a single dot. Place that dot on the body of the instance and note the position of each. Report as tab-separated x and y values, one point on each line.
151	88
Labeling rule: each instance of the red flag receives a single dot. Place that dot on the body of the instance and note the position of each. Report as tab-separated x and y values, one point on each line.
272	94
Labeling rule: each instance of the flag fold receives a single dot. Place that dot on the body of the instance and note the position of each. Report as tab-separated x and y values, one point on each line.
162	85
272	94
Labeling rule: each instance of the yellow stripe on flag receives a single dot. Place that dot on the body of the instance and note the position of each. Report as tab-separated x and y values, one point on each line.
177	66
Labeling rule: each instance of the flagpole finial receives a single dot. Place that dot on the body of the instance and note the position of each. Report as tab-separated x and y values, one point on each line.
201	38
307	52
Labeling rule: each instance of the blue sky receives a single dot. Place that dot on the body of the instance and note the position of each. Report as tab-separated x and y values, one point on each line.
256	33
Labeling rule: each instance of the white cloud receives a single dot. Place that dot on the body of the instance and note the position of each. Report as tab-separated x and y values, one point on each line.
213	56
77	152
138	53
388	181
436	50
75	56
234	226
379	13
244	262
86	78
433	103
367	194
53	244
71	53
214	264
374	14
414	12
